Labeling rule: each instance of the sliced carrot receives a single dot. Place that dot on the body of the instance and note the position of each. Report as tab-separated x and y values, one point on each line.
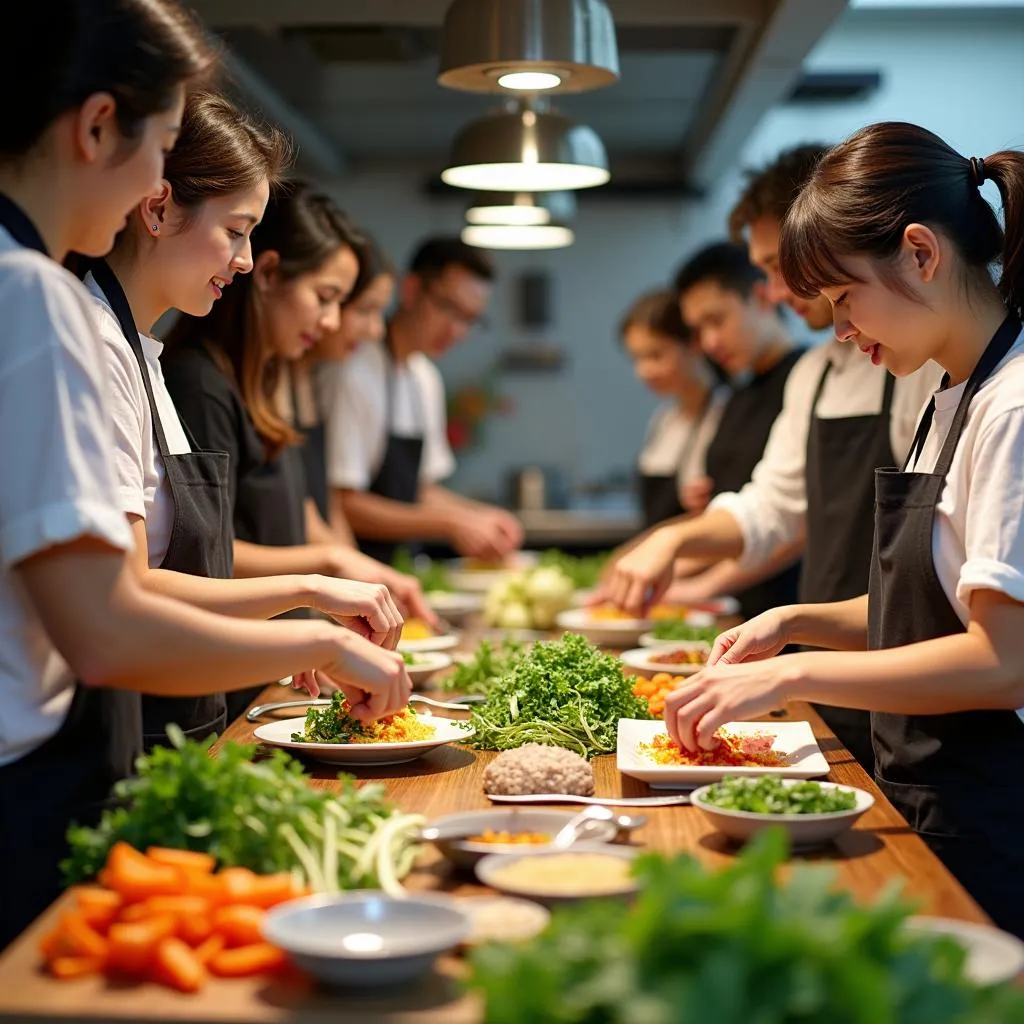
195	929
206	951
176	965
187	860
258	958
240	924
137	878
238	884
98	906
133	946
134	912
187	905
82	939
269	890
55	944
209	887
69	967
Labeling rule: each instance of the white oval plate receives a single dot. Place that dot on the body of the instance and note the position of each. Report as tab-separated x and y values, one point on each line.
451	605
620	633
426	644
644	660
446	730
429	663
805	830
480	581
993	956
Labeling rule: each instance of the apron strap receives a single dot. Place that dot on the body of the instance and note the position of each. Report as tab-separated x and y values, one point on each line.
821	386
114	293
390	382
20	227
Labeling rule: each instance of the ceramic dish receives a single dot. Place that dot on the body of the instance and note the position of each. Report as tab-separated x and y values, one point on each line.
454	829
993	956
570	867
427	665
503	919
793	739
427	644
618	633
365	938
465	577
644	660
805	830
454	606
446	730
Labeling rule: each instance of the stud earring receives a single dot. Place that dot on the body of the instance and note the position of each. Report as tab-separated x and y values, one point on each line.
156	228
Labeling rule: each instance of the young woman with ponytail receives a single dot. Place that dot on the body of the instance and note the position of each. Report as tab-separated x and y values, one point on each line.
894	229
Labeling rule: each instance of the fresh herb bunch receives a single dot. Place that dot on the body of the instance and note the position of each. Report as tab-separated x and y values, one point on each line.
564	693
409	658
433	576
679	629
768	795
735	946
331	724
263	816
489	664
584	570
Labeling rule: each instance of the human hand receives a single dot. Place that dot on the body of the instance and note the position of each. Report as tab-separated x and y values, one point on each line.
697	493
406	590
479	535
375	681
640	577
367	609
761	637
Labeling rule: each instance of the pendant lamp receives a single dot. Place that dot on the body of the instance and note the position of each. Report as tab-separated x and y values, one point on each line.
521	208
518	236
528	45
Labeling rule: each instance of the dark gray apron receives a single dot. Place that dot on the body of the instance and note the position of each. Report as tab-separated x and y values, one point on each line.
399	475
955	778
67	778
842	456
201	541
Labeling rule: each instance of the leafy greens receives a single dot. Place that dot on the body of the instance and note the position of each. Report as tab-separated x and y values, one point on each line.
490	662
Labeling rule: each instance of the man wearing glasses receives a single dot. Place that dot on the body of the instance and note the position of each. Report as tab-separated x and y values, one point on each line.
387	445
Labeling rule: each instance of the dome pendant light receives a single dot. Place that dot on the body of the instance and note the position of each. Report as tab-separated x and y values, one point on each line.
528	45
526	150
518	236
521	208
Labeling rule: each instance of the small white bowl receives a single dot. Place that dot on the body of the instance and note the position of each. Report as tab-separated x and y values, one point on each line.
428	664
365	938
503	919
615	633
454	606
644	660
993	956
806	831
487	869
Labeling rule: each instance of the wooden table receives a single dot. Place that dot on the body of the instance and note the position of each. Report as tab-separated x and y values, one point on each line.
879	849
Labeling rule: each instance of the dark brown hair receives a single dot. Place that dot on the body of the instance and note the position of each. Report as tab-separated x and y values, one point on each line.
61	52
658	311
772	189
725	264
373	263
305	228
435	255
867	190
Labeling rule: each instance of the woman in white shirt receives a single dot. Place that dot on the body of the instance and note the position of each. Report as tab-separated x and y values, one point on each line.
98	107
182	246
668	361
893	229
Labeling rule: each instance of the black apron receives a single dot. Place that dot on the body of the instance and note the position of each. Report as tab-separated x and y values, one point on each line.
67	778
735	450
842	456
399	475
659	493
313	448
201	535
955	778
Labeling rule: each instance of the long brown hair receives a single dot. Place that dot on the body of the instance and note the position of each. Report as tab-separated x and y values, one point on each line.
305	228
865	192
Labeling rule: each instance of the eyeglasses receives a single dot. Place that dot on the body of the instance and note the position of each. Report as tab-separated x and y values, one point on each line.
453	311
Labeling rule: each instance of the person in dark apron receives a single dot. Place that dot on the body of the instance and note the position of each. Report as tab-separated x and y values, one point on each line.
943	618
201	536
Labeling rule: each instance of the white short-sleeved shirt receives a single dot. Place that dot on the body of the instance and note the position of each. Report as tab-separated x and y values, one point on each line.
359	414
771	510
57	473
677	444
141	480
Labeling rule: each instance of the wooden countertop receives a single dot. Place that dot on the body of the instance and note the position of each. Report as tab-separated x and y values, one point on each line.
879	849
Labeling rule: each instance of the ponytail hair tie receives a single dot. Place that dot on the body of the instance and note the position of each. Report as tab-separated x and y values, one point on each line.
977	171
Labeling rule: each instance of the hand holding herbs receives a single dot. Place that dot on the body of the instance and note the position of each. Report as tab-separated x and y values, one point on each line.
263	816
735	946
769	795
565	693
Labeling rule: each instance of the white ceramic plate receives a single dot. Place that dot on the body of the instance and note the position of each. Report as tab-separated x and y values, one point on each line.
794	739
446	730
454	605
428	664
993	956
644	660
423	645
805	830
603	632
480	581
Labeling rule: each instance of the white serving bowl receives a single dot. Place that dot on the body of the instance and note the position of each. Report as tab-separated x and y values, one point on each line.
428	664
805	830
365	938
644	660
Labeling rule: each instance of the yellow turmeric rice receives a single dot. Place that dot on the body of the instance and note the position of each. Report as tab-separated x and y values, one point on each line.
405	727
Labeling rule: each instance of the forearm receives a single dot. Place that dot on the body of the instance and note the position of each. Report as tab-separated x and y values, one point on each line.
380	518
953	673
260	597
728	577
265	560
337	531
437	497
709	537
840	626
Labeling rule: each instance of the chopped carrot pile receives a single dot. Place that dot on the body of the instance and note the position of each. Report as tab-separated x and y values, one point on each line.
656	689
167	916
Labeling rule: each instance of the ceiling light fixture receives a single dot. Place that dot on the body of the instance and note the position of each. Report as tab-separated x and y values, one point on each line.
488	45
518	236
521	208
526	150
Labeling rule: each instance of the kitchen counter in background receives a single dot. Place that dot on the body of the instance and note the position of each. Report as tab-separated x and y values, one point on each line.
575	529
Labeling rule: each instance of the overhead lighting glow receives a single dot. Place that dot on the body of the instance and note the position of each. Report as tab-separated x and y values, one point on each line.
529	81
522	177
518	236
522	215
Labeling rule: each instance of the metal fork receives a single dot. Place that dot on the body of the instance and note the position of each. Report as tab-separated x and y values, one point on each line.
459	704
